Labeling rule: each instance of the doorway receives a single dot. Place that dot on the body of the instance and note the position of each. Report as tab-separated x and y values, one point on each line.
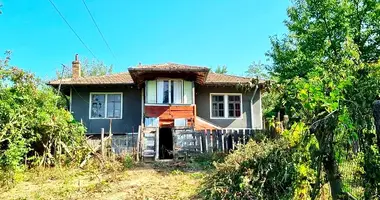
165	143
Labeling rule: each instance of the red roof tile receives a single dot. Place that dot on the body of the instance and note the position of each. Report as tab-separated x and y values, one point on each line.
113	79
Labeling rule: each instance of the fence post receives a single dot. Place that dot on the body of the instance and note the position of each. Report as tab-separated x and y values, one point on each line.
244	136
226	139
376	115
157	151
223	144
212	134
206	141
200	142
233	139
138	144
102	140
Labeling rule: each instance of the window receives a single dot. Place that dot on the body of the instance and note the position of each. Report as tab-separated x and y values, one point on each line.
105	105
168	92
98	105
233	106
226	105
217	106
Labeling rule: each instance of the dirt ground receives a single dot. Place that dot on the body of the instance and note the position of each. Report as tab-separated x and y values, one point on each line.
148	181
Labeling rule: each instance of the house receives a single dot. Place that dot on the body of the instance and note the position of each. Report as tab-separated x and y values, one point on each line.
159	99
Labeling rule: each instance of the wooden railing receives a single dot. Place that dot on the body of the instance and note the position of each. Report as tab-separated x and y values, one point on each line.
214	140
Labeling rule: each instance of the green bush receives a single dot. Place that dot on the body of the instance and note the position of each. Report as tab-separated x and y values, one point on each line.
206	160
128	162
258	170
33	129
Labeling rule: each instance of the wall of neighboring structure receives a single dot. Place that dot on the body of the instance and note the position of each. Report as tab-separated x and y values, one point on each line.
131	118
202	101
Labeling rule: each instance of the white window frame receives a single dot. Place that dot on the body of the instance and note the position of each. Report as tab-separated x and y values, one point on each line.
170	98
106	103
226	105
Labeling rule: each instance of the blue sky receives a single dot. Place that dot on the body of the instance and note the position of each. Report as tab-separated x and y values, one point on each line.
197	32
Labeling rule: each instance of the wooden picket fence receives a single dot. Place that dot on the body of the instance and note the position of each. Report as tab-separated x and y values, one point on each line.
226	139
188	143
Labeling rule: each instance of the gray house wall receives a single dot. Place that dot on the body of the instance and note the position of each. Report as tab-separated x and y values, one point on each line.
132	108
131	118
202	100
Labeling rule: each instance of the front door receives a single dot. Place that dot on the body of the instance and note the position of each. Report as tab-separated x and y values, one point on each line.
165	143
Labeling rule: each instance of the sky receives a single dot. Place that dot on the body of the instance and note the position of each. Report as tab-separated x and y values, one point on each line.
208	33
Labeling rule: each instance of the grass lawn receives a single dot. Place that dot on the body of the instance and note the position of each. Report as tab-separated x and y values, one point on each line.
146	181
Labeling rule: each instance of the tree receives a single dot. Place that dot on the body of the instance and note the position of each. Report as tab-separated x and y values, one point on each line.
221	70
270	98
257	70
89	68
328	67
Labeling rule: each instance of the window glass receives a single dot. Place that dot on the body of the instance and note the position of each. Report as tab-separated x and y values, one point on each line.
217	105
98	105
176	91
99	108
151	92
234	106
113	105
188	92
172	92
166	92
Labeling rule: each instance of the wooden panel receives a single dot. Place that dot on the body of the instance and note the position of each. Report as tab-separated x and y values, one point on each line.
167	114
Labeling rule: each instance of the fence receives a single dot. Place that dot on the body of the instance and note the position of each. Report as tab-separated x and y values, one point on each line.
185	141
209	141
122	144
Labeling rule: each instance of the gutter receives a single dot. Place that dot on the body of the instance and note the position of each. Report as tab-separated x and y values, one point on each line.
253	96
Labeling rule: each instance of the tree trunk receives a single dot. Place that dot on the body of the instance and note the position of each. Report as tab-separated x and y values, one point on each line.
324	132
333	176
376	115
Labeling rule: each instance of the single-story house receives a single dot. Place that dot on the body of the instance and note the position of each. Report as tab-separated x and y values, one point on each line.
164	97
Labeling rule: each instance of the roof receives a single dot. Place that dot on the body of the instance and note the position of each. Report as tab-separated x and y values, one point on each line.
224	79
168	69
141	73
168	66
112	79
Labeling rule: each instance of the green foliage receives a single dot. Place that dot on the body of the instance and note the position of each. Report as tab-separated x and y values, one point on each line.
258	70
258	170
206	160
128	162
33	130
327	70
270	99
221	70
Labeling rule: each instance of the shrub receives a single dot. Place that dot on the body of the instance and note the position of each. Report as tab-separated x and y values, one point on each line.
128	162
258	170
33	129
206	160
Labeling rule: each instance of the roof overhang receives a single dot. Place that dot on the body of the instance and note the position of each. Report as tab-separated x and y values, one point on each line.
140	75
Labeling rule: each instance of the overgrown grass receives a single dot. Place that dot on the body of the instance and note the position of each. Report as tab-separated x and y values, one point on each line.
110	180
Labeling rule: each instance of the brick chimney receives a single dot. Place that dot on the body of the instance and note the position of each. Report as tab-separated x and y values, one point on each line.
76	68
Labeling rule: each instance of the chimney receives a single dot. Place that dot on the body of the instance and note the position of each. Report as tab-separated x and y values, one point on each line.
76	68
